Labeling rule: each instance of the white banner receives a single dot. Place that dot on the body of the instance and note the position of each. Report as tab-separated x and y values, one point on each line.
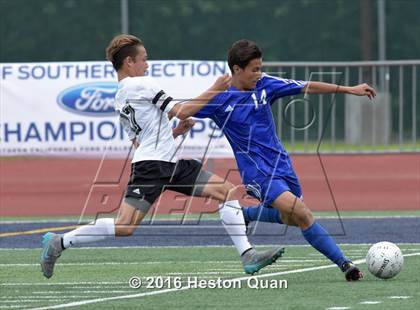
66	108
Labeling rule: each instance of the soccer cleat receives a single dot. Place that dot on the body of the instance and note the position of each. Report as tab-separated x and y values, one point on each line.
352	272
254	261
51	250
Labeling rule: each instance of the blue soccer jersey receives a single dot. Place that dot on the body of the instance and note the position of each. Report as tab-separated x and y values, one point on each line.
246	120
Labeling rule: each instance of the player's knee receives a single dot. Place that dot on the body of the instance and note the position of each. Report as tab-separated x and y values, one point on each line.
303	217
124	227
124	230
288	220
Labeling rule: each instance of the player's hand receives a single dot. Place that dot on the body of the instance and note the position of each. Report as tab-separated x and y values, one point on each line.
363	90
223	82
183	127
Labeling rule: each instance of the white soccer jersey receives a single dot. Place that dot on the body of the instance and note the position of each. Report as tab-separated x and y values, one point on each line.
143	108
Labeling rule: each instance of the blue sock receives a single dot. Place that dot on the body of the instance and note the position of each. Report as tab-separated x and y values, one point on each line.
262	214
321	240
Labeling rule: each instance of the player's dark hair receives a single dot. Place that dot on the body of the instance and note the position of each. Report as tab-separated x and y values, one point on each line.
242	52
120	47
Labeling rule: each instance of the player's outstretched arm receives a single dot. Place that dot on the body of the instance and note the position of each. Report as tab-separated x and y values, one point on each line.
189	108
327	88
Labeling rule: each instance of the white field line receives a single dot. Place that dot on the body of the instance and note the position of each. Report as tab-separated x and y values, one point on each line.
241	270
152	263
61	283
96	287
200	246
23	298
158	292
202	273
48	292
55	296
103	292
31	300
15	301
399	297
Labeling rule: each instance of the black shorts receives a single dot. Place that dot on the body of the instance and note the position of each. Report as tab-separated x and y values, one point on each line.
151	178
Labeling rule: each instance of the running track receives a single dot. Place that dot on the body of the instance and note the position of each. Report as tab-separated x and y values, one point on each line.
43	187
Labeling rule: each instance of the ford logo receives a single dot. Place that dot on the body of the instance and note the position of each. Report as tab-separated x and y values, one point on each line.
92	99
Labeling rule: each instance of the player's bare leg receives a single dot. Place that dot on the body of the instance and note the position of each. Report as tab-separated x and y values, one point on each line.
232	218
128	220
294	212
54	244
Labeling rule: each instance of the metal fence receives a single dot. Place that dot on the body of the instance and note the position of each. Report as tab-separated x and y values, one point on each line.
349	124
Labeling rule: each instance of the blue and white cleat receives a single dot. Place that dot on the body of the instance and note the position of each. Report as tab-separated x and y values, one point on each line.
254	261
51	251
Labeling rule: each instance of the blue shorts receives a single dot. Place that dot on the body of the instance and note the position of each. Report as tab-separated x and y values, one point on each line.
266	189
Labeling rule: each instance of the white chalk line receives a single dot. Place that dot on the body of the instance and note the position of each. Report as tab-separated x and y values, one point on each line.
399	297
130	296
30	300
43	297
200	246
63	283
370	302
151	263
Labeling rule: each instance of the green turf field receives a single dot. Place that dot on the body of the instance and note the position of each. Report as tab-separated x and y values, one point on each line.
97	278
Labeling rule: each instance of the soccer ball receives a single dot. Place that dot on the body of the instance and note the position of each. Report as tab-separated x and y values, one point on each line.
384	260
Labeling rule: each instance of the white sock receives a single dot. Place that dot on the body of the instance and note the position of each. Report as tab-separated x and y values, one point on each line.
234	223
99	230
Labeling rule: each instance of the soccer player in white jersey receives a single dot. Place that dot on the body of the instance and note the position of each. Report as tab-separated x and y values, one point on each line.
145	110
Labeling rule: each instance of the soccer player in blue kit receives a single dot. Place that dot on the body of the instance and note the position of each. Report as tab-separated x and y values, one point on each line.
243	112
